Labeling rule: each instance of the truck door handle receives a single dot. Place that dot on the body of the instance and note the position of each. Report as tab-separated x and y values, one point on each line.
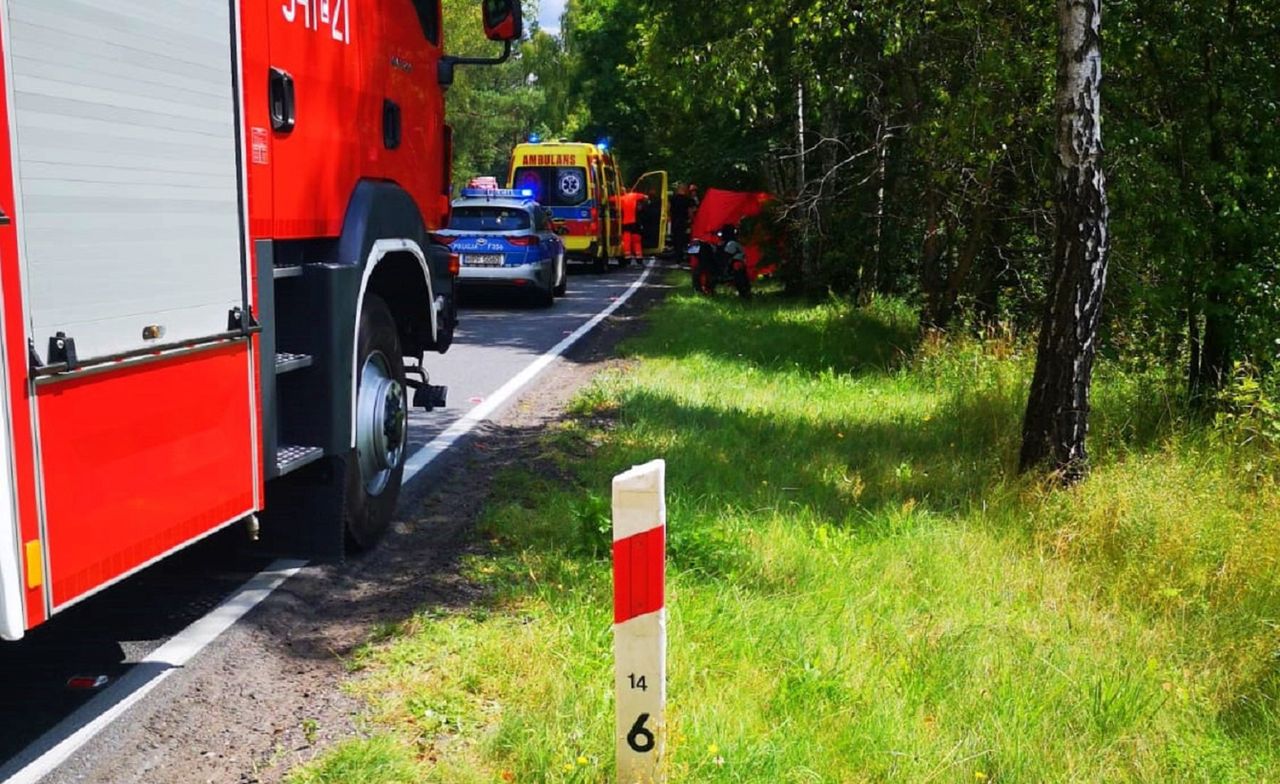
390	124
284	108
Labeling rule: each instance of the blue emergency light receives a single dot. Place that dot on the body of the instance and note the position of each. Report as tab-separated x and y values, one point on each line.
496	193
535	138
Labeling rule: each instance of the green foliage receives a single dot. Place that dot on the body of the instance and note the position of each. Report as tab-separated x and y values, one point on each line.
1250	409
379	760
927	151
492	109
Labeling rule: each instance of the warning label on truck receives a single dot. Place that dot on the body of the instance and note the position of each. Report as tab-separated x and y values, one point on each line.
260	151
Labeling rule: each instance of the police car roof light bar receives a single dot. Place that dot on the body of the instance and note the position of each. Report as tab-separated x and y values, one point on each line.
500	193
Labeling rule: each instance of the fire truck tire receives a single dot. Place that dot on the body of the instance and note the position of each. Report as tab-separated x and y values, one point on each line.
376	469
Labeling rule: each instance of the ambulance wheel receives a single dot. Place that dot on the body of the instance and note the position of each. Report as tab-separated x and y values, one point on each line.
382	428
562	288
601	265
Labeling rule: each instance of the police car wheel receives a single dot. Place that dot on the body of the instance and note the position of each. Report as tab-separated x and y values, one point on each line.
376	470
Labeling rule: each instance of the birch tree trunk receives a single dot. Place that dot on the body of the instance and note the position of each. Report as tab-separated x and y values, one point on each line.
1057	420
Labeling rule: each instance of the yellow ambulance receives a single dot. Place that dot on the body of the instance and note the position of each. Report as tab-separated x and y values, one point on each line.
580	185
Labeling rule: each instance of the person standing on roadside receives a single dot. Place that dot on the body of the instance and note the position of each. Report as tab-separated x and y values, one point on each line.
681	219
632	232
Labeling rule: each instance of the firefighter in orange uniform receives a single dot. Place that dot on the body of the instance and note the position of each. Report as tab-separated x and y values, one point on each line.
632	231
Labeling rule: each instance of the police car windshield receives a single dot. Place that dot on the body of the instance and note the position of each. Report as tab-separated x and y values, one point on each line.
553	186
489	219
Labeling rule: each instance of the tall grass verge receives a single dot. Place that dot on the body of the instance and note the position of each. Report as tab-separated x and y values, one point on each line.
861	588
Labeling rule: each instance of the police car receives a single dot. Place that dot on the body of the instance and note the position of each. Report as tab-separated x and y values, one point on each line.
504	238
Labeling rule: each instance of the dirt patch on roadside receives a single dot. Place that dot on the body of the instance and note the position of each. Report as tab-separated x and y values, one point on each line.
267	696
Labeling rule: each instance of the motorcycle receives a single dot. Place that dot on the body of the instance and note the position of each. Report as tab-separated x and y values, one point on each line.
710	266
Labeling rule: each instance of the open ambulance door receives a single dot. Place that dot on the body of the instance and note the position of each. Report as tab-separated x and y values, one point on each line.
655	222
610	210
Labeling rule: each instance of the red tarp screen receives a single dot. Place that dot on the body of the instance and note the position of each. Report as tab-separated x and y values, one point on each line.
719	208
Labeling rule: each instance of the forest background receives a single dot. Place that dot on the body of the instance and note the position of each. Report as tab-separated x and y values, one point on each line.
911	143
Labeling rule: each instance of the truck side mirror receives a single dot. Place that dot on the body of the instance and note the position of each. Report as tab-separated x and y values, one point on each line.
503	20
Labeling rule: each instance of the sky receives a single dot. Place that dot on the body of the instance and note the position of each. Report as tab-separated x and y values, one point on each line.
549	12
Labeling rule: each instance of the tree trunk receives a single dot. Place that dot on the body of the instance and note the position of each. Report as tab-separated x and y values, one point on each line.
802	171
978	236
871	273
1057	420
987	301
932	278
1218	347
1193	336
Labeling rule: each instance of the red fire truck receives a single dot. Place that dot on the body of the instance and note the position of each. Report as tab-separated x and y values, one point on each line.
216	276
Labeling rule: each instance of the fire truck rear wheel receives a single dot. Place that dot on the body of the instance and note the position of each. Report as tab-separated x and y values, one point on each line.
376	469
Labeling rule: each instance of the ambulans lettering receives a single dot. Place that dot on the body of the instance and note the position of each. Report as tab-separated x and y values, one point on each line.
328	15
550	160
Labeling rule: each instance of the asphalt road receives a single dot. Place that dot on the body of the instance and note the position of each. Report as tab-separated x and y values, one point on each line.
500	334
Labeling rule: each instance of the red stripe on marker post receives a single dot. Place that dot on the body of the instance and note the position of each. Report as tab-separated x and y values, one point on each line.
640	621
639	575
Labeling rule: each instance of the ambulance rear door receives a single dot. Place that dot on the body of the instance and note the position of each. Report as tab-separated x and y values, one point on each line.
612	209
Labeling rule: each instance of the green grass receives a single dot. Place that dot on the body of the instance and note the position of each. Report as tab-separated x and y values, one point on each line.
861	589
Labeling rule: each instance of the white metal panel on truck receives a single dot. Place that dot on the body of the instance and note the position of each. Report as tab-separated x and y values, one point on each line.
126	169
12	620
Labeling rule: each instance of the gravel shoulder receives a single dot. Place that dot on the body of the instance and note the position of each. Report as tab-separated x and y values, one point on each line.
267	696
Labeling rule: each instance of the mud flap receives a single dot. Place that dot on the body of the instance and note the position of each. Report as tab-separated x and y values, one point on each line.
446	323
303	518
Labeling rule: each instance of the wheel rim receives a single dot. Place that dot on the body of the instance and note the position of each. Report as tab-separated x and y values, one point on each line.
382	421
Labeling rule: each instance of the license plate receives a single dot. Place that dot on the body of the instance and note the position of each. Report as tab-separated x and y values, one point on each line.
483	260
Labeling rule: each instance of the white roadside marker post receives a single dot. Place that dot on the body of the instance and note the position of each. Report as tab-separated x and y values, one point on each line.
640	621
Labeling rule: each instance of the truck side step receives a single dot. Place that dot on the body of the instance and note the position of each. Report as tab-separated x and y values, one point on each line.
291	458
287	363
430	397
288	272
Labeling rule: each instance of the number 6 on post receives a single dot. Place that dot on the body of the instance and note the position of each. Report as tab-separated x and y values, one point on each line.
640	621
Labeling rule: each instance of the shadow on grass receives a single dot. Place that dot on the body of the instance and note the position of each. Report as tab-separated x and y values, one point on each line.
843	472
771	333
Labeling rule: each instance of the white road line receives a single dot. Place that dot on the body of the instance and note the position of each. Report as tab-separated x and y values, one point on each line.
443	442
58	744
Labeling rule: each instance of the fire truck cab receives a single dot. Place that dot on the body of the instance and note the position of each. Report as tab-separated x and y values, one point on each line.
217	279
